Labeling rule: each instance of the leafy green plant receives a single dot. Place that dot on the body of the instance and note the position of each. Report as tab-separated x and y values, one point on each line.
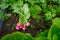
4	16
42	34
35	12
29	37
57	8
32	2
56	36
49	16
4	4
55	28
56	1
41	38
17	36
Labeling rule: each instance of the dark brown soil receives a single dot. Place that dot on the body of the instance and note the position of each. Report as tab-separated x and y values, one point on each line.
8	29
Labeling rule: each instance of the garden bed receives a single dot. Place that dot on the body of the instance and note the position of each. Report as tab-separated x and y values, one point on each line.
8	25
32	17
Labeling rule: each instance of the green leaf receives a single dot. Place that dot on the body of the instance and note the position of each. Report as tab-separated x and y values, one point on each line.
56	22
17	36
56	36
55	28
4	5
56	1
35	10
7	37
25	9
42	34
48	16
24	14
41	38
29	36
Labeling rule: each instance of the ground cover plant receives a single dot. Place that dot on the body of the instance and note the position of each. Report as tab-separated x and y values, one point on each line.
30	16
